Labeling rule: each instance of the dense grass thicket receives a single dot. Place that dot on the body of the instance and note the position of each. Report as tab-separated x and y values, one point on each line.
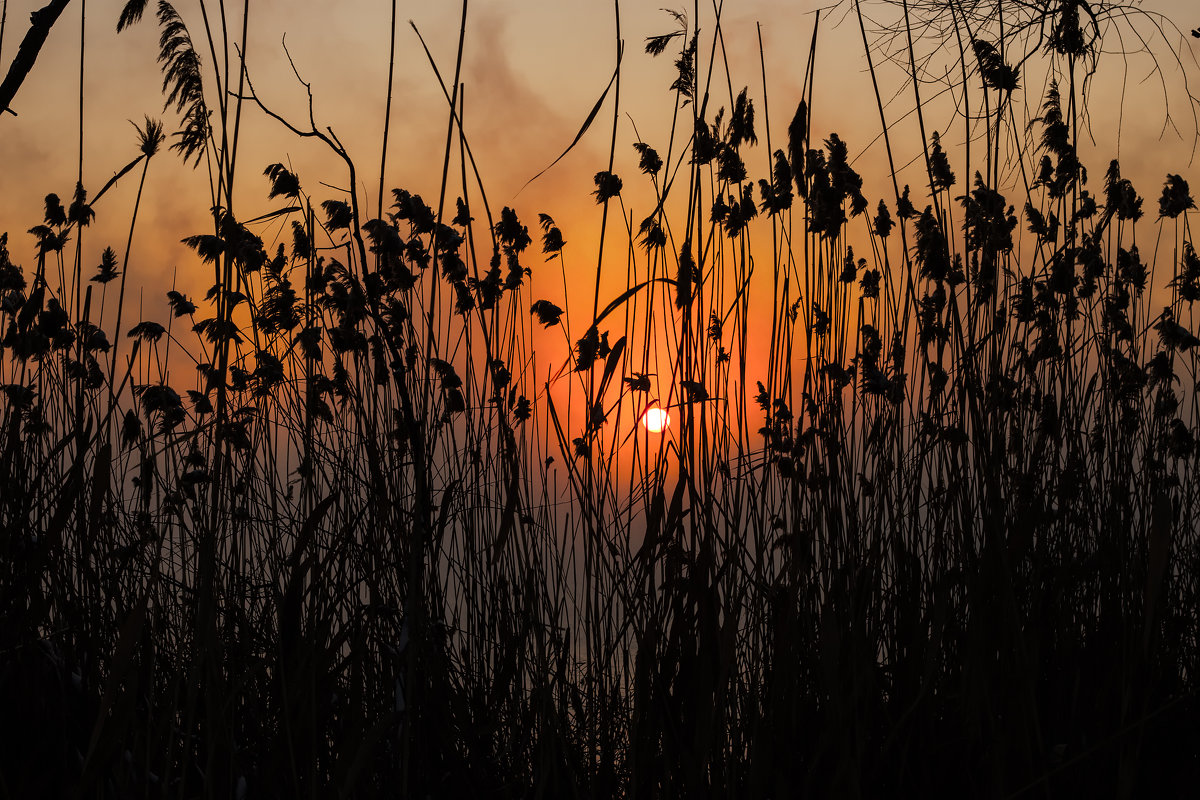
926	521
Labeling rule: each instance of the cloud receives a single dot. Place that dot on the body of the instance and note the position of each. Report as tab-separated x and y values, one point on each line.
516	115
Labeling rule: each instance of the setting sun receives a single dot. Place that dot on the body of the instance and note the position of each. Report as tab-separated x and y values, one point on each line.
656	420
324	328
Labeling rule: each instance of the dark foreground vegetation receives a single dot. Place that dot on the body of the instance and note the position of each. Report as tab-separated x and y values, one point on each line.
926	522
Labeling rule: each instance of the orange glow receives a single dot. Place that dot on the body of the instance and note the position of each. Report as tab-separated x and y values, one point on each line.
656	420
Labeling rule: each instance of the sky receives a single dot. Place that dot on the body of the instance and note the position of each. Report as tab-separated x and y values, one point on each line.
532	70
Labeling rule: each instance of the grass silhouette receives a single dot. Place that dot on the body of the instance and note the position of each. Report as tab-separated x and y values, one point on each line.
927	525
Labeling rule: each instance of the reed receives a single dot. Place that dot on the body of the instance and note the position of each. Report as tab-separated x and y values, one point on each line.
925	520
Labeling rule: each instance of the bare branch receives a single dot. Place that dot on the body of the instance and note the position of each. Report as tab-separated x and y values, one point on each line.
40	23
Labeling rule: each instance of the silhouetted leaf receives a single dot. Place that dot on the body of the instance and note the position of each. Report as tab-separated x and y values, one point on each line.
180	305
107	270
131	14
55	215
649	161
446	374
608	186
695	391
639	382
337	214
587	123
148	331
547	313
283	182
1175	199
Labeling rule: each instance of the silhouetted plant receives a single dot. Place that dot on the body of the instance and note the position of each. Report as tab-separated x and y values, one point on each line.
947	544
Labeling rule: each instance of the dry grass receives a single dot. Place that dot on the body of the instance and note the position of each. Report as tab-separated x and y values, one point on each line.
945	542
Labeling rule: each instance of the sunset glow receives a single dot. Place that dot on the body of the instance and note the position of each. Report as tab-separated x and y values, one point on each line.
656	419
323	329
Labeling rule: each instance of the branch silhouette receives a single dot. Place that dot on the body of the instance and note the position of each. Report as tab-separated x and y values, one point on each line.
40	23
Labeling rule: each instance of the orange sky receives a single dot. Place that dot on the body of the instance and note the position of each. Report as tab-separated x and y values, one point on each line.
532	70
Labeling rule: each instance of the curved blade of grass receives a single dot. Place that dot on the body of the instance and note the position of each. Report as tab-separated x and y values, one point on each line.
587	123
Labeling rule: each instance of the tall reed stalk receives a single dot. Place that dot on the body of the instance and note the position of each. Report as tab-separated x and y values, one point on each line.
927	524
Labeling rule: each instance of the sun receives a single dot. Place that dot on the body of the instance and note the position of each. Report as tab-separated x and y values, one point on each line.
656	419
